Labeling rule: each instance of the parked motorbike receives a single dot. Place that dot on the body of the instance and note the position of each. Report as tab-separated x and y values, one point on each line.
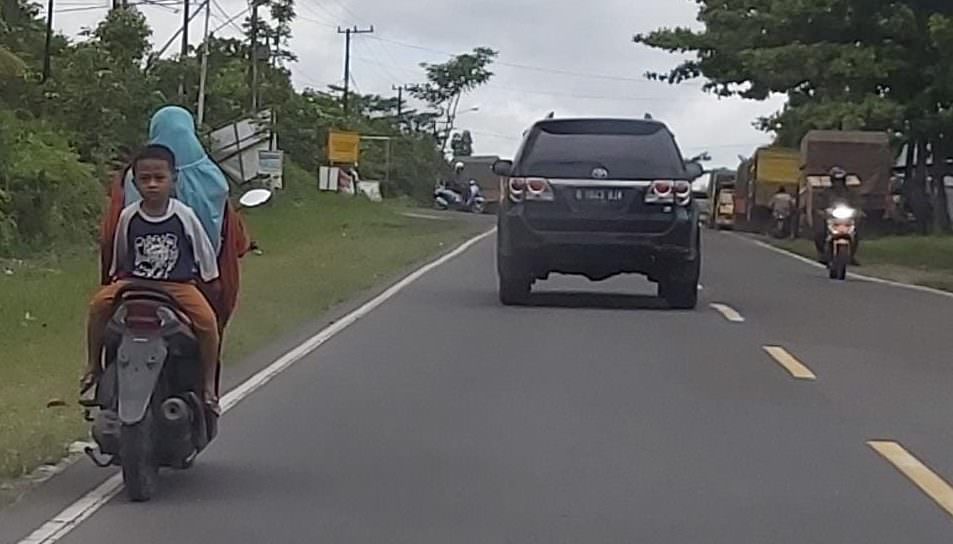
147	411
841	239
446	198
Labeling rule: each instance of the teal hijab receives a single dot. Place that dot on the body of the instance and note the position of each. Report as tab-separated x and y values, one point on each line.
200	183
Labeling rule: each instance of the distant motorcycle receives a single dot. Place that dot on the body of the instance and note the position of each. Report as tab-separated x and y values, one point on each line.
841	239
446	198
781	224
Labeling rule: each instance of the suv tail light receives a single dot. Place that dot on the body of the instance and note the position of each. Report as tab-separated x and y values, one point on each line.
660	192
683	192
669	192
530	189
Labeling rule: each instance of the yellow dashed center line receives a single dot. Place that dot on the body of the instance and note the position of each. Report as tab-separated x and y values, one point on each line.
928	481
790	363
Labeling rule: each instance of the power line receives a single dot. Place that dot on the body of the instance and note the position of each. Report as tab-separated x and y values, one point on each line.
588	75
316	21
492	84
308	7
229	19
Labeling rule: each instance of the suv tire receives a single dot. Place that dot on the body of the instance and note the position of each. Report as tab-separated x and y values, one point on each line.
680	288
515	282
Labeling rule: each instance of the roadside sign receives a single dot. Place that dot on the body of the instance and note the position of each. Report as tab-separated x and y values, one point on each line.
270	162
344	147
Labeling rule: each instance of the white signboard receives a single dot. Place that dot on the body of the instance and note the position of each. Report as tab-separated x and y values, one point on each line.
370	189
270	162
328	178
236	147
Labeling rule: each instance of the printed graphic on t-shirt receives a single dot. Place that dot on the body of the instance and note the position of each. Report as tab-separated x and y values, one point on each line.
156	256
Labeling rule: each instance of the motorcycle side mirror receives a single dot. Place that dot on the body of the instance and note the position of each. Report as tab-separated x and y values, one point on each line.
503	168
255	198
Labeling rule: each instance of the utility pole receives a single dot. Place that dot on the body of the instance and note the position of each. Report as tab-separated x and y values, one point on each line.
185	47
347	59
400	102
49	39
185	29
203	77
254	56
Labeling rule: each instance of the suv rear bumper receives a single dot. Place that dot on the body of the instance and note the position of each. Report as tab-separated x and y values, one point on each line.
597	254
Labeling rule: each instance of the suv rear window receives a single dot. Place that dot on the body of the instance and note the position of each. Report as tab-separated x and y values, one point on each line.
628	150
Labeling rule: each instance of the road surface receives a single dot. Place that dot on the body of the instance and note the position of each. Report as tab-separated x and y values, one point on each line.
594	416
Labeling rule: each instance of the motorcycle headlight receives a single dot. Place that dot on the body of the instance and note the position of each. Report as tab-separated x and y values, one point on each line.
843	212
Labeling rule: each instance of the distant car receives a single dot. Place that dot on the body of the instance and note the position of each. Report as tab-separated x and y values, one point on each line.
598	198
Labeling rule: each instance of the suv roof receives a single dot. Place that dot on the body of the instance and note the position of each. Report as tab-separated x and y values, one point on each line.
600	125
628	149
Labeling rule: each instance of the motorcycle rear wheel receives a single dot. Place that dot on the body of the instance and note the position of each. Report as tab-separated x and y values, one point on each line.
140	468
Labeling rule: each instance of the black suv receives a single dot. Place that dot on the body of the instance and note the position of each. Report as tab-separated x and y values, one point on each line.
598	197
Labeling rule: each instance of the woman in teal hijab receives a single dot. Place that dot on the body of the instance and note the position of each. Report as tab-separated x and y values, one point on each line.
200	183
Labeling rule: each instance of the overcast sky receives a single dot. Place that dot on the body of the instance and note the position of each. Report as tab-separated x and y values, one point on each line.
568	56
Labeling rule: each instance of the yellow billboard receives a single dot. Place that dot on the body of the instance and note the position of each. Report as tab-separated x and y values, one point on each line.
344	147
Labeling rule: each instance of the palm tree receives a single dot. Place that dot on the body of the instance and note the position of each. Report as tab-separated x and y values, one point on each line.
11	66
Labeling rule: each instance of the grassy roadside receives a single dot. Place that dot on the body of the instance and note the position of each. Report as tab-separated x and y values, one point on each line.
918	260
319	250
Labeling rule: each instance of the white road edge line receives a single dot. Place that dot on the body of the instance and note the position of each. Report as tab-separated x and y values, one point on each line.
728	312
76	513
853	275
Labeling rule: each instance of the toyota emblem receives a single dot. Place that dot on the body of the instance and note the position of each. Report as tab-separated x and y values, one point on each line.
600	173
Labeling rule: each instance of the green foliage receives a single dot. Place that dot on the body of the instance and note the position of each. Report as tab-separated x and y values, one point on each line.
48	196
865	64
449	81
881	65
11	66
58	136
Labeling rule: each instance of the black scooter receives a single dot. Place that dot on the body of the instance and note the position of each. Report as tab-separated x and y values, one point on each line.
147	410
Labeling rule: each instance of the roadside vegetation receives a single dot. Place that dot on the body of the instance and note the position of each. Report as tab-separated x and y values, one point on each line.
917	260
317	250
63	131
842	65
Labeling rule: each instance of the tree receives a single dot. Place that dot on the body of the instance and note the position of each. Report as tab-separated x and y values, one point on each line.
100	90
449	81
843	64
283	13
462	144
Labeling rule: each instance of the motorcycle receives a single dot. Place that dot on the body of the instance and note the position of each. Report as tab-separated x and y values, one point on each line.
841	239
147	411
781	221
446	198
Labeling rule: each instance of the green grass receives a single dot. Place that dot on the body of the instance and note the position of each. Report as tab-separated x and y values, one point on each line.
319	250
919	260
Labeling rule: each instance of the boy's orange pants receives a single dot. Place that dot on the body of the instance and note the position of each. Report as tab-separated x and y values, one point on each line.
190	300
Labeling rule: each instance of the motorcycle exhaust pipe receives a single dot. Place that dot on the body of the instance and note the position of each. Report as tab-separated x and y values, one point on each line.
176	412
177	419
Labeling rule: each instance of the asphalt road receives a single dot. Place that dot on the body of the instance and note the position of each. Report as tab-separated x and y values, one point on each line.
596	415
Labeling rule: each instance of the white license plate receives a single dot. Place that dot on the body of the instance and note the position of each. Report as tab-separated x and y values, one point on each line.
600	195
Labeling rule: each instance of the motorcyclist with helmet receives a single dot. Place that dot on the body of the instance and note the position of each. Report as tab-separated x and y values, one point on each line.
839	193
